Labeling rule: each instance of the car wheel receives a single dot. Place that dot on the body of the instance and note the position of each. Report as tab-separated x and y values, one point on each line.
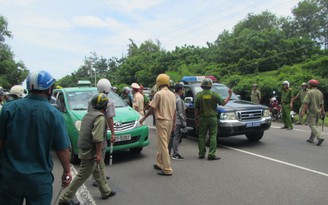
254	136
136	150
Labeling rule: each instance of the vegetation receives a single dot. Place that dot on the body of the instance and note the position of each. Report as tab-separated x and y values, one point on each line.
263	49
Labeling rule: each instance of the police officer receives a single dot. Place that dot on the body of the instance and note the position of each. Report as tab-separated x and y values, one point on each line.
138	99
91	138
29	129
287	104
206	117
314	105
164	106
255	95
301	95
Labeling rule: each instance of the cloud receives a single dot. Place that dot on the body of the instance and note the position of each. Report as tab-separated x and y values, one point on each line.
43	22
130	5
93	22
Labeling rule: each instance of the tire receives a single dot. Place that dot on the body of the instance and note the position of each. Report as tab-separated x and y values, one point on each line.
136	150
254	136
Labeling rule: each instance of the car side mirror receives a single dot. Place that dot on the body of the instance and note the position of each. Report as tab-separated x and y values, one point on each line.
188	100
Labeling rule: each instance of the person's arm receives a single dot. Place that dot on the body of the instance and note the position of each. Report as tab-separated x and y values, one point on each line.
305	107
64	157
228	98
174	121
110	123
180	112
98	156
150	112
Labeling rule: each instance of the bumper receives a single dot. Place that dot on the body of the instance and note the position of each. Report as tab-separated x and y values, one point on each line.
139	138
235	127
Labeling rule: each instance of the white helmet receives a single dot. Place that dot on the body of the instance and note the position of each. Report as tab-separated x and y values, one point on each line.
285	83
135	86
17	90
104	86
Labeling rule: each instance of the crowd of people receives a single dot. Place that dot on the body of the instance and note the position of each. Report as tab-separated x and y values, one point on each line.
30	128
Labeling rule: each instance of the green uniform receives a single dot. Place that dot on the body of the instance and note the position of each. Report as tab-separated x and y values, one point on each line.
301	95
256	96
314	99
93	130
206	104
286	96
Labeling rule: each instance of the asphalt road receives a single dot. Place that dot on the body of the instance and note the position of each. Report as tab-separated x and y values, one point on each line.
280	169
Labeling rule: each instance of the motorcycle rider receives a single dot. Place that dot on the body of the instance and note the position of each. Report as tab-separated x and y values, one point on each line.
126	96
301	95
286	101
16	92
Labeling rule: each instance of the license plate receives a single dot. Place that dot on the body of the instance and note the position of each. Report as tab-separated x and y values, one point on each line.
122	138
253	124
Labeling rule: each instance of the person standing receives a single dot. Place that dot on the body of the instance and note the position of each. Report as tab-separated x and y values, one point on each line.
91	139
301	95
164	106
126	96
255	95
104	86
180	122
29	129
206	117
138	99
287	104
314	106
16	92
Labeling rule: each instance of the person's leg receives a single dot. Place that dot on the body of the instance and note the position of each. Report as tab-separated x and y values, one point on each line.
10	192
41	195
176	140
99	176
86	168
288	119
163	138
159	157
171	143
203	126
283	111
300	118
213	129
313	123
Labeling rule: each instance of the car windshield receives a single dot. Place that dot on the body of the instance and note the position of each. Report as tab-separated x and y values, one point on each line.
222	90
78	100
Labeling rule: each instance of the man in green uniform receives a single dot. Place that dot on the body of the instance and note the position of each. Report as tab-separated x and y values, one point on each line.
206	117
255	95
92	136
29	129
314	105
301	95
286	101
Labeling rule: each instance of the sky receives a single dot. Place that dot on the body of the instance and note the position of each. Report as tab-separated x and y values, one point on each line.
57	35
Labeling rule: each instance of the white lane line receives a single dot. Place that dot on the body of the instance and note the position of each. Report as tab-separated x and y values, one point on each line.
83	194
278	161
308	131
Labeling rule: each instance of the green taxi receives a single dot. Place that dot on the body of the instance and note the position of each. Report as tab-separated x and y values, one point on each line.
73	104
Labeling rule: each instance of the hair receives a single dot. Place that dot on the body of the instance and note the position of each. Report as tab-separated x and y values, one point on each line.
178	87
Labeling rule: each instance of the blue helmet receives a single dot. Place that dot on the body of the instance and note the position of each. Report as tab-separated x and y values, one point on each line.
41	80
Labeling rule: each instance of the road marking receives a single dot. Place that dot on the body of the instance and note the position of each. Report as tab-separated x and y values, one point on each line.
308	131
83	194
278	161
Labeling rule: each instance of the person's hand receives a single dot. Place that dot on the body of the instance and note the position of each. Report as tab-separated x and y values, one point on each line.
302	114
230	92
141	121
66	179
98	158
113	138
291	105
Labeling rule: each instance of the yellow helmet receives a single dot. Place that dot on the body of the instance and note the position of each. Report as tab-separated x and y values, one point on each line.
162	79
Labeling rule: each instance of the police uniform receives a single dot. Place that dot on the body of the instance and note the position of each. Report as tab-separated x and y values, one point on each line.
206	102
256	96
301	94
29	128
139	101
314	99
93	130
286	96
164	104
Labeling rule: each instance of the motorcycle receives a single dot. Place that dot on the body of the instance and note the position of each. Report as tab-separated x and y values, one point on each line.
276	109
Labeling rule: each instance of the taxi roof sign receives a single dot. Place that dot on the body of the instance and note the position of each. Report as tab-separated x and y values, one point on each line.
84	83
196	79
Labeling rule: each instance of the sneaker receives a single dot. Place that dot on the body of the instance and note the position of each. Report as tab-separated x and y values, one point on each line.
320	142
309	141
177	157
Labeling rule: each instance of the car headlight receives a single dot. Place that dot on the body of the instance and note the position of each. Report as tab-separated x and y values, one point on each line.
266	113
228	116
78	125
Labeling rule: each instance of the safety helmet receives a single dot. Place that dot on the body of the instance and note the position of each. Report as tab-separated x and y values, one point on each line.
254	85
304	84
313	82
285	83
40	80
17	90
104	86
162	79
99	101
171	83
206	83
135	86
114	88
126	89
